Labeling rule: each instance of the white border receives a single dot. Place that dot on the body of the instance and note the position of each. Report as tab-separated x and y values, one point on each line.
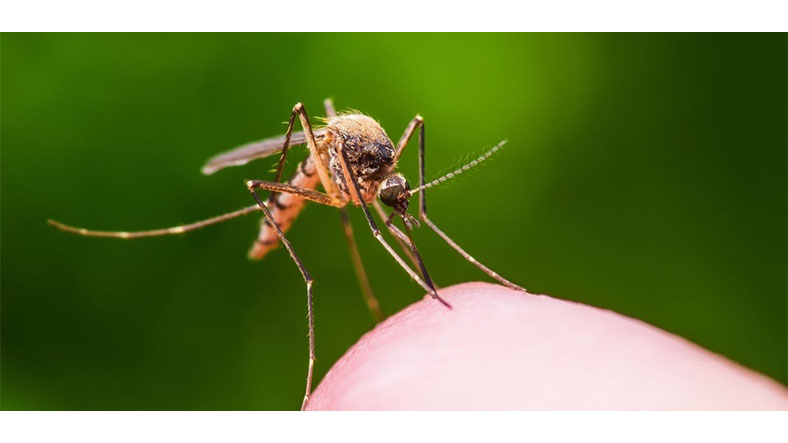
398	15
377	427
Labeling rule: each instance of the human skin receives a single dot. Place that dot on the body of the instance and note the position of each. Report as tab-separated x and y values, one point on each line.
500	349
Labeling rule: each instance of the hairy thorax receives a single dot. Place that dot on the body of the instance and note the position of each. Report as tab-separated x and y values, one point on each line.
369	150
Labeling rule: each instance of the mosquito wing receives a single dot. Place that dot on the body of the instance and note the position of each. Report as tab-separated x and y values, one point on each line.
250	151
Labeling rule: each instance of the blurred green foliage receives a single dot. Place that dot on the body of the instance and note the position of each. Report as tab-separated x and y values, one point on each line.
644	173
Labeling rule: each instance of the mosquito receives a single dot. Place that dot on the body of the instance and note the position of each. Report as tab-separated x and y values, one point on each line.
354	161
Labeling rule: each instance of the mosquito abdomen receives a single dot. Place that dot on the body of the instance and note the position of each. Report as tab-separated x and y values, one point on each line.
285	208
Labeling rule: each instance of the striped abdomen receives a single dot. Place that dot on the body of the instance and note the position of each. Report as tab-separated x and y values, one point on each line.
285	209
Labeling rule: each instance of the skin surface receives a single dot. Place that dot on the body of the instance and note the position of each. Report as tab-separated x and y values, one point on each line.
500	349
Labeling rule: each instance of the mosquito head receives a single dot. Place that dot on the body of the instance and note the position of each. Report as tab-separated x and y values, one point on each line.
394	192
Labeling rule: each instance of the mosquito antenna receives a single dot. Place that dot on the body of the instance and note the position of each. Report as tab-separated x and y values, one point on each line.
156	232
460	170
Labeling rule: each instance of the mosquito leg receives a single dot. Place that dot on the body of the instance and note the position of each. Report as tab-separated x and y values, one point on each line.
155	232
383	216
417	122
285	146
259	242
355	191
309	300
441	234
358	265
322	168
305	193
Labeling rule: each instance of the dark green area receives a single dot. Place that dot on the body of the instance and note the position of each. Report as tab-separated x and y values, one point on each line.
644	174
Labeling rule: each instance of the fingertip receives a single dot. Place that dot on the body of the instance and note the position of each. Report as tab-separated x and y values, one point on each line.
499	348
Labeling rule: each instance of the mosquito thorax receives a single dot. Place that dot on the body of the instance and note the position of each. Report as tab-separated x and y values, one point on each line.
394	192
370	152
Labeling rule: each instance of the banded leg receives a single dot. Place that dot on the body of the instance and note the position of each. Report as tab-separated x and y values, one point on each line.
441	234
309	299
358	265
305	193
355	191
154	232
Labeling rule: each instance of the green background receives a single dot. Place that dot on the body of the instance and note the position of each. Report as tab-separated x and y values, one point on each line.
644	174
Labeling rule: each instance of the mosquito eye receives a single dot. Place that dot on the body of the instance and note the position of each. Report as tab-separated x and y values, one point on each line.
394	191
390	195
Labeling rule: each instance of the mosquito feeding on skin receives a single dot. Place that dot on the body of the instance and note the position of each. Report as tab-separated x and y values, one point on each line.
354	161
